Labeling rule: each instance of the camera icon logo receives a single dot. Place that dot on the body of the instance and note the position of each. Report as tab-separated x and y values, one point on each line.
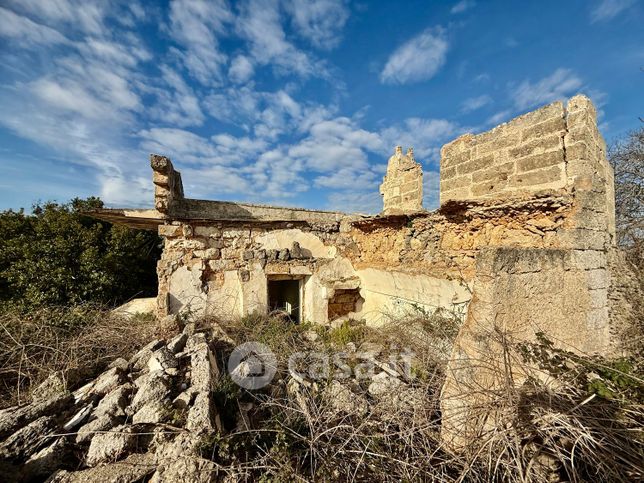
252	365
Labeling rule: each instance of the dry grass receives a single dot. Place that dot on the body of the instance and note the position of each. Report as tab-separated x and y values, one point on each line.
77	342
584	424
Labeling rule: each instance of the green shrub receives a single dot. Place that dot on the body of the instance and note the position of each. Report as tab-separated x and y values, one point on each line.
58	256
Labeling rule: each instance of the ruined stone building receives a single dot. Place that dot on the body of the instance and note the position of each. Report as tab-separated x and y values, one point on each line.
522	239
523	242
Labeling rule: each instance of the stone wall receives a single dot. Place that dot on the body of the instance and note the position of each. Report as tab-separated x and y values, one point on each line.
515	158
402	187
553	148
521	244
517	294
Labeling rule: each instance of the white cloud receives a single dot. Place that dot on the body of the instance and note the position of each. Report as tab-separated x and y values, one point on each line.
176	103
558	85
426	136
499	117
203	182
126	191
267	114
177	143
356	202
85	15
17	27
241	69
336	143
196	25
276	176
72	97
473	103
128	55
418	59
462	6
348	178
260	24
607	9
319	21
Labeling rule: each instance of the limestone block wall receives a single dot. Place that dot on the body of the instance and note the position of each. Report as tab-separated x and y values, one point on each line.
517	293
411	257
519	157
553	148
402	187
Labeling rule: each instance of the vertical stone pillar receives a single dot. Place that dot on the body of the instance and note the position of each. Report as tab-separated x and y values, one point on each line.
167	183
402	187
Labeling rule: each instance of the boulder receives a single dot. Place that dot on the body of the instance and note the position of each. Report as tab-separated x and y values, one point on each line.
383	384
136	467
47	460
50	387
342	399
161	360
12	419
204	368
106	382
202	417
152	413
177	343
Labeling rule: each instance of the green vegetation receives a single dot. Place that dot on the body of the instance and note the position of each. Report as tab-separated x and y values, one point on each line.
57	256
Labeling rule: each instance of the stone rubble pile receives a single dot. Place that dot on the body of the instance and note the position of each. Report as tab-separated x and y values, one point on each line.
141	419
149	418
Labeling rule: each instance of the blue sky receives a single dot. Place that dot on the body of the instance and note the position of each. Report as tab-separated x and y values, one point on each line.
288	102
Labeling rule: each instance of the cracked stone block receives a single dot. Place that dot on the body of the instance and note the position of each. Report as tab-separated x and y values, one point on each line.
161	360
102	423
152	413
153	386
204	369
110	446
177	343
114	402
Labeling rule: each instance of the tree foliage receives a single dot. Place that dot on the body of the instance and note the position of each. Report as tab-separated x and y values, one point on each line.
59	256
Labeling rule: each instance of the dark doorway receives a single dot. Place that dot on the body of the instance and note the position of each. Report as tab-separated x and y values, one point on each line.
284	296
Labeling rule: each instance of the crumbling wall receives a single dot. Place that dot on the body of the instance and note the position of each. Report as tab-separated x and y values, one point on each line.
402	187
540	181
518	292
223	268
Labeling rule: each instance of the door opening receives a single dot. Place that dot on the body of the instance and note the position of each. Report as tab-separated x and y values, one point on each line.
284	296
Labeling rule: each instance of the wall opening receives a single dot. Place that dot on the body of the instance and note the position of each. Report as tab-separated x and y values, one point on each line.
343	302
284	297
